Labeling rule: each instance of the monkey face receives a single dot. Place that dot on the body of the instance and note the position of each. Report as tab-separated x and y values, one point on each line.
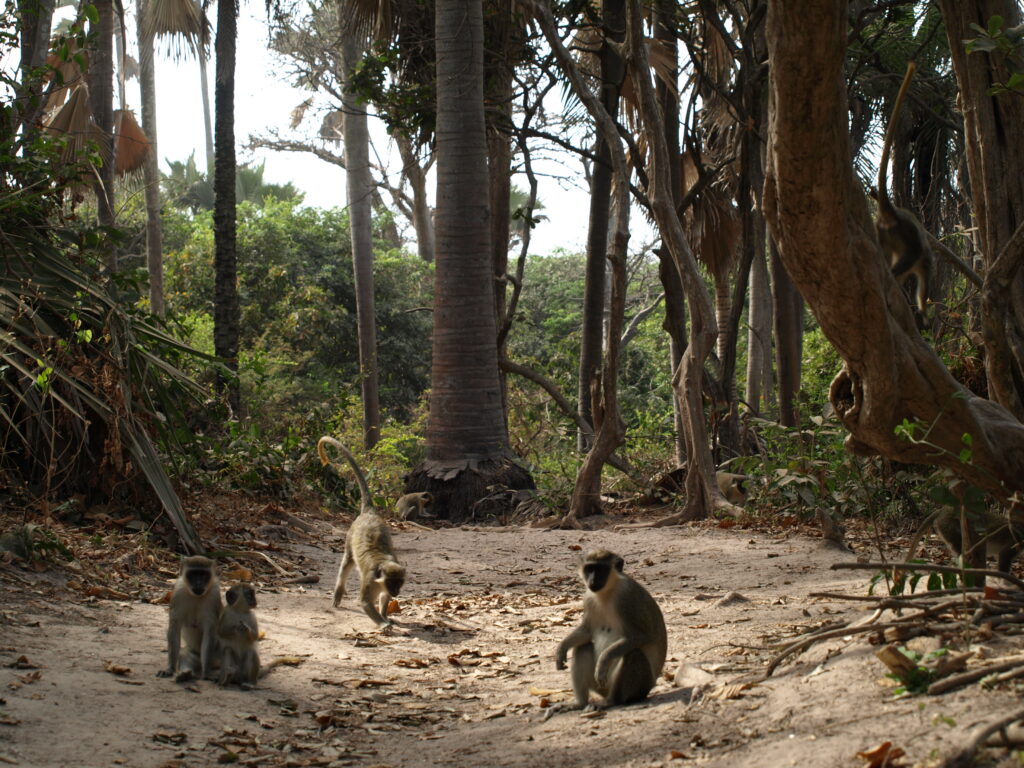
392	575
243	594
198	580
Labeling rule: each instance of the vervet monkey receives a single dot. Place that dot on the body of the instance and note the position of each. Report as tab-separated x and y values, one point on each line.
238	633
902	237
368	547
414	505
194	611
732	486
620	645
993	534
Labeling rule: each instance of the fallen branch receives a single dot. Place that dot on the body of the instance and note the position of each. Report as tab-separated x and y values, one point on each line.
955	681
250	554
965	757
929	567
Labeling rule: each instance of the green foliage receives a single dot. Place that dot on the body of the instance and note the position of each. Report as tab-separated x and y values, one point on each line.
185	187
298	360
84	381
1005	43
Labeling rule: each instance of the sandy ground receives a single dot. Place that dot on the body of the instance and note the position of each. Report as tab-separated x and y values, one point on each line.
467	677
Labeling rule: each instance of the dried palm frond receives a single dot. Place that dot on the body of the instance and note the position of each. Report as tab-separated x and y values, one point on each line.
74	120
65	71
132	146
332	126
300	112
711	224
180	23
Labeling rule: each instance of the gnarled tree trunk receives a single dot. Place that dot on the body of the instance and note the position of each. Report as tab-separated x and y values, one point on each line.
827	242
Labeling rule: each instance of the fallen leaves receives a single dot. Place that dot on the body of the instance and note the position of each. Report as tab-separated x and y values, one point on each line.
885	755
117	669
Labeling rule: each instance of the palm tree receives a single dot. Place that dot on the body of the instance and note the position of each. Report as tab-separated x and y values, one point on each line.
101	102
466	426
150	171
225	291
360	198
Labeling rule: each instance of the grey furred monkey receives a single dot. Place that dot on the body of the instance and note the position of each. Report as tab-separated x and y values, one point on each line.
193	614
902	237
238	633
620	645
368	547
414	505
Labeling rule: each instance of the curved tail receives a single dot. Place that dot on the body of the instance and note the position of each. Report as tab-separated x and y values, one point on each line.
882	195
366	500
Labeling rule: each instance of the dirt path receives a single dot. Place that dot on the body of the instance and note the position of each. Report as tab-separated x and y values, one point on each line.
463	680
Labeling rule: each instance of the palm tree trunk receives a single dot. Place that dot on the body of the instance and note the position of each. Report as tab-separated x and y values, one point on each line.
35	16
101	102
759	334
150	171
360	194
225	288
465	426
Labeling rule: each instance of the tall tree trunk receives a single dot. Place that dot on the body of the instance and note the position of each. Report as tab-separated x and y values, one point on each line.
36	17
499	162
993	133
422	217
225	287
360	194
702	493
759	335
591	337
665	20
204	93
787	309
150	170
827	241
101	102
468	456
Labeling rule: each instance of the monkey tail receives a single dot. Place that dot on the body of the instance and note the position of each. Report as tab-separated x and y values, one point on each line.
366	498
281	661
883	187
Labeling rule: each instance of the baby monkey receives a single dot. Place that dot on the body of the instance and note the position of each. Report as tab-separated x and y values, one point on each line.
238	634
414	506
194	611
620	645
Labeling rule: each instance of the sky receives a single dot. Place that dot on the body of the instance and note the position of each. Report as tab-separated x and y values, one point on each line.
264	101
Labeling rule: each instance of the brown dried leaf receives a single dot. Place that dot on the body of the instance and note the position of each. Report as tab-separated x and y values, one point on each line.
885	755
22	662
239	573
117	669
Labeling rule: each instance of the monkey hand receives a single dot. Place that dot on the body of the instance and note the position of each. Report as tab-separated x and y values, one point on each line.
601	674
165	673
560	658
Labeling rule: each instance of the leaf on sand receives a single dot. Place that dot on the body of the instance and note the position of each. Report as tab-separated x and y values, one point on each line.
729	691
885	755
117	669
239	573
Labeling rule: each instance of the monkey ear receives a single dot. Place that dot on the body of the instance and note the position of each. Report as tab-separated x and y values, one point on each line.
619	562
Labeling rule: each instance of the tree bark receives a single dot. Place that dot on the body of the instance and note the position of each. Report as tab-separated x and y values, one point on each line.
665	20
225	288
592	334
360	194
993	135
150	171
827	242
787	312
101	102
465	425
36	17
